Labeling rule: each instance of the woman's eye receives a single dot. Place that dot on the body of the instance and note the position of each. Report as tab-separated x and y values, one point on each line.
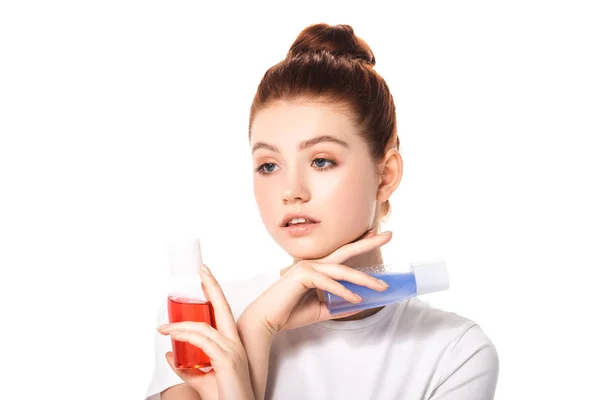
266	168
323	163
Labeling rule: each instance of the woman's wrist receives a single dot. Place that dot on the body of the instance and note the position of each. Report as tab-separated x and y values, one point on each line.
252	325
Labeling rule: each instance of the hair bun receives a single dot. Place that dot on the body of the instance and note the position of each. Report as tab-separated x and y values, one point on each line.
339	40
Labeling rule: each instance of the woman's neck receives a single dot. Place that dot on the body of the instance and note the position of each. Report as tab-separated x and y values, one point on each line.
368	259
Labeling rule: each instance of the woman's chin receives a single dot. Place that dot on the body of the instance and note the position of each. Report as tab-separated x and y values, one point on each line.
315	244
308	249
301	254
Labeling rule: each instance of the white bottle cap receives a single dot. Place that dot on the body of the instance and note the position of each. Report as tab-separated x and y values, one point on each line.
185	257
431	276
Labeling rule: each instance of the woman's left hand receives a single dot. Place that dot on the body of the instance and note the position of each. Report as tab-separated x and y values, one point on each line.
229	378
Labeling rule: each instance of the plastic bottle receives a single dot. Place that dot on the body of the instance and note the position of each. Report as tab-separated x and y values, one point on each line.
186	299
425	277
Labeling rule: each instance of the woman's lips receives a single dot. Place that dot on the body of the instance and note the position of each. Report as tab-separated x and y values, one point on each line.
298	230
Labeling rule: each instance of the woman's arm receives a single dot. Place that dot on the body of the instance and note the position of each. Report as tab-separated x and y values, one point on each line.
257	342
291	303
180	392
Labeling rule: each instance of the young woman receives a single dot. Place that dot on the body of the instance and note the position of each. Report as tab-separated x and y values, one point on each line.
325	149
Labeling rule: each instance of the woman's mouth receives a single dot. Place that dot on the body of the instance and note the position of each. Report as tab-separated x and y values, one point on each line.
298	225
298	221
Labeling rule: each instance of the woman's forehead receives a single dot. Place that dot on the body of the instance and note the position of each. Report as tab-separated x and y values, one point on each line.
292	123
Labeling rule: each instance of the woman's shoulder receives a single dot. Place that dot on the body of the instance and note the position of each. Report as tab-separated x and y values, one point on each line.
427	321
466	357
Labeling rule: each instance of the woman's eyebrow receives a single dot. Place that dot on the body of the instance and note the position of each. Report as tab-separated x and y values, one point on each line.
322	139
303	145
263	145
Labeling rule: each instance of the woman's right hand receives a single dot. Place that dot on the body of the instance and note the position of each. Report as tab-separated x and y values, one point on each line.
290	302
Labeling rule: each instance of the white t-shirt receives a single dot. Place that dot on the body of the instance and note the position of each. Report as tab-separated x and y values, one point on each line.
408	350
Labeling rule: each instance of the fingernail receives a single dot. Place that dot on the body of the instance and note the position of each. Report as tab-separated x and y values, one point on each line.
205	269
358	297
162	327
383	283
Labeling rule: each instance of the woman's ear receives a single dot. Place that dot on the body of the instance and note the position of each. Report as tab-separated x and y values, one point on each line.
390	174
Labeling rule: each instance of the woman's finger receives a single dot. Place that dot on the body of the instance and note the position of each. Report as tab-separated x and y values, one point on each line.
304	277
204	291
325	283
215	352
359	247
312	310
223	315
370	233
324	315
345	273
186	373
200	328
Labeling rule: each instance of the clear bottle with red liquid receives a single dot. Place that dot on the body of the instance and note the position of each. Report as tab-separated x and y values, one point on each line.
186	299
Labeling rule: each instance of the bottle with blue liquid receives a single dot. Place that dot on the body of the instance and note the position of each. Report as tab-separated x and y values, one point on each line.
425	277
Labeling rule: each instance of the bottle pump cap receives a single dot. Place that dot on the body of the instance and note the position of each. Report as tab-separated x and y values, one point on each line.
185	257
431	276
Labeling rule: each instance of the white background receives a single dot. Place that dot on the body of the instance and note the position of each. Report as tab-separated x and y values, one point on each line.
122	122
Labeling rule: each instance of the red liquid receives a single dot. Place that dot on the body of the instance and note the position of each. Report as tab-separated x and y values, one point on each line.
187	355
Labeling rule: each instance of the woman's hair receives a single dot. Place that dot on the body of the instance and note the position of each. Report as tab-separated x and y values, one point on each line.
330	64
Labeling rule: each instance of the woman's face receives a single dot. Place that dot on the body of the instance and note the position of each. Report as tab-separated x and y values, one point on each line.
315	182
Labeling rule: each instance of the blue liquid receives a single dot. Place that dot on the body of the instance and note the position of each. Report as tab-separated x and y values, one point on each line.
402	287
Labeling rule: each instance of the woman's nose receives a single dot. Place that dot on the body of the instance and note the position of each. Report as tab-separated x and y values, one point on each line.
295	190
